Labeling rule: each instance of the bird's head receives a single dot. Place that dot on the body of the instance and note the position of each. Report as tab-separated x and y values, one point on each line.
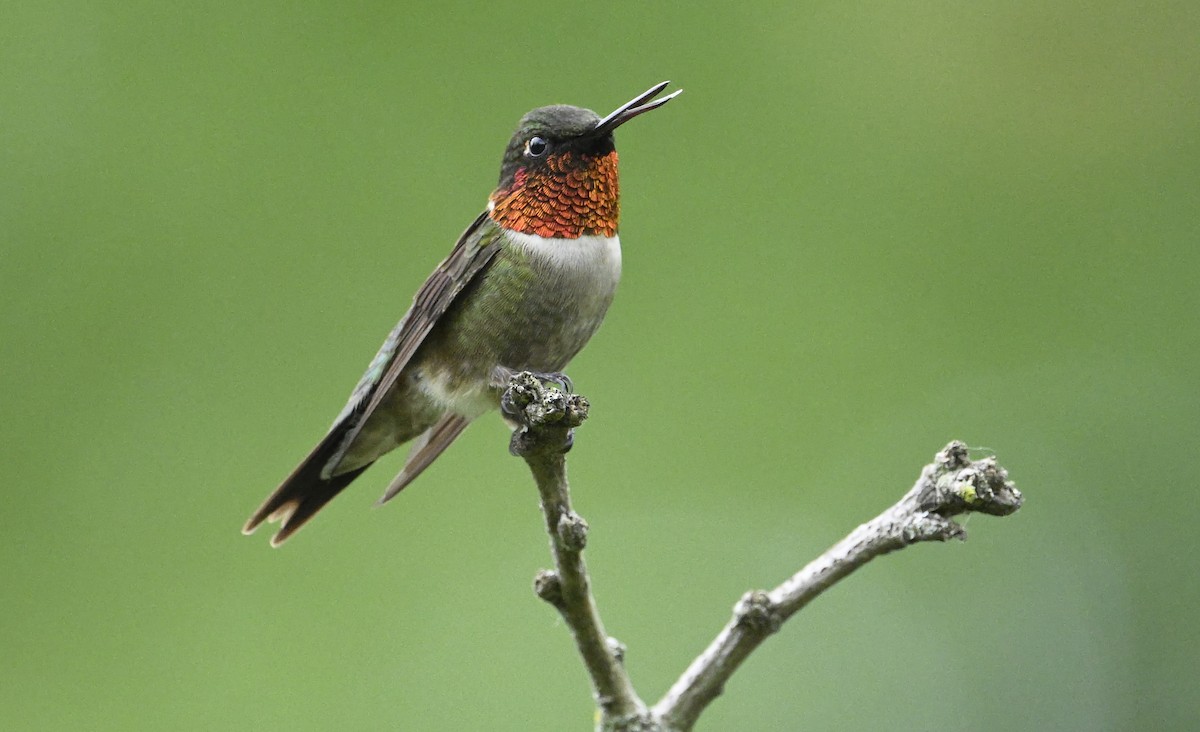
559	175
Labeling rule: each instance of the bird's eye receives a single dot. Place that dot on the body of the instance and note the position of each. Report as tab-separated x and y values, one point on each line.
536	147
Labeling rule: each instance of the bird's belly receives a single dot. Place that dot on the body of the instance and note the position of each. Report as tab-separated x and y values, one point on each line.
535	308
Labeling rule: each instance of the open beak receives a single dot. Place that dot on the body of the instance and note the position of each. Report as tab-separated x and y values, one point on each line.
634	107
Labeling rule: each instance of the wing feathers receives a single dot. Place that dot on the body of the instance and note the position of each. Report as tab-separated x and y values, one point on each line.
474	251
425	450
305	491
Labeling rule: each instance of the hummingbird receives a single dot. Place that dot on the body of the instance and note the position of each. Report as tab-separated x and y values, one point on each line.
524	289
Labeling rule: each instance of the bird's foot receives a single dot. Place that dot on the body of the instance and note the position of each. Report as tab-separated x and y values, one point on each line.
543	416
502	377
557	379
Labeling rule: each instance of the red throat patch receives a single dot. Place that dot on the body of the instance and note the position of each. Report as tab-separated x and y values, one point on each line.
576	196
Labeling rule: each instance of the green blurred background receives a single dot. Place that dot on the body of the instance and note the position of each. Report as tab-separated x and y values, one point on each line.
863	230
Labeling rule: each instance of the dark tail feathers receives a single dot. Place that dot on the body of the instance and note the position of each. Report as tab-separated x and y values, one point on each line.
304	492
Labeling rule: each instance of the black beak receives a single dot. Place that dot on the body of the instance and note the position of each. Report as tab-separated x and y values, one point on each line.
633	108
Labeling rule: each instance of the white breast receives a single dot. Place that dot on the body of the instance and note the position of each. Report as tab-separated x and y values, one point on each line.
591	256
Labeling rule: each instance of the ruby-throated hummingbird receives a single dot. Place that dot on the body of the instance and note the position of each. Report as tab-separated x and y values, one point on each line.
524	289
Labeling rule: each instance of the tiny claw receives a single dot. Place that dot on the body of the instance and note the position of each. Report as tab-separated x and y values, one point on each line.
508	409
557	379
502	376
531	404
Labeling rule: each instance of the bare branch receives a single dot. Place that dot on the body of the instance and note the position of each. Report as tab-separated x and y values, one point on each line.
951	485
546	417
